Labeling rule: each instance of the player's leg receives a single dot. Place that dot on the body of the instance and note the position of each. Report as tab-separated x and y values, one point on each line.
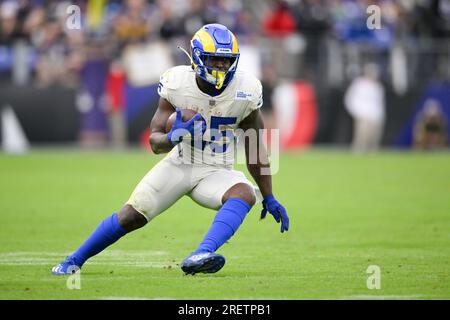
231	193
236	203
106	233
242	191
130	219
158	190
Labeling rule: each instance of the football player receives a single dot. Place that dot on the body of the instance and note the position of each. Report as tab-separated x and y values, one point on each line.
225	100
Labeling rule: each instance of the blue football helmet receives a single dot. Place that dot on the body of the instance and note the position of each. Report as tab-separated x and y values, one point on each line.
214	40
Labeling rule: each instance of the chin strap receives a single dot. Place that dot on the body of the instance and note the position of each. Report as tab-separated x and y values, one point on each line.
189	56
219	76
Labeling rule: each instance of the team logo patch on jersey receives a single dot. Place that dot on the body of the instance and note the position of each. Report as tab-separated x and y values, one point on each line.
241	95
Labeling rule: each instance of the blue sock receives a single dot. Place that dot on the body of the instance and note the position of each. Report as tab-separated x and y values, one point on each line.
227	221
107	232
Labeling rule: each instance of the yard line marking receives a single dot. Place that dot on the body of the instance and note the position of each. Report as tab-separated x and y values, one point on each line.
146	259
108	253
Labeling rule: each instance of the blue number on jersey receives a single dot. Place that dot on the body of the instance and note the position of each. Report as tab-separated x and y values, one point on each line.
216	122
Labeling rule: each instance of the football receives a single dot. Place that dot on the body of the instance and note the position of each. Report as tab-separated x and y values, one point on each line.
186	115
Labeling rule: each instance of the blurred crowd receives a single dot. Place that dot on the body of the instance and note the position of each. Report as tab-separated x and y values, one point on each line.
327	42
36	32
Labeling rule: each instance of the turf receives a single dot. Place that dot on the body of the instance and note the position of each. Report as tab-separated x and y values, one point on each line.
390	209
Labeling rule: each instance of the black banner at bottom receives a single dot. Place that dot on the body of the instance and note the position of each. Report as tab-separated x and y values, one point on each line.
221	309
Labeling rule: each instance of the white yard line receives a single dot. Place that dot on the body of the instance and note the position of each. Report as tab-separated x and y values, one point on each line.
144	259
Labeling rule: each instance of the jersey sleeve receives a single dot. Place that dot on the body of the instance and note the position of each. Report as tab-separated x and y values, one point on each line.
256	99
168	84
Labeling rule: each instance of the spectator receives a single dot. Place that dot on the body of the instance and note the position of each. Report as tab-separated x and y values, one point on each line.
268	82
313	19
132	24
364	100
430	129
279	22
91	96
115	91
50	46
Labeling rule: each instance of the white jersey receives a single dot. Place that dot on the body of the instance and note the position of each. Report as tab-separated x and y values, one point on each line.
223	112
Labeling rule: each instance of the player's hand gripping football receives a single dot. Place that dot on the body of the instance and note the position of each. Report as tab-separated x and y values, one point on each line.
179	128
271	205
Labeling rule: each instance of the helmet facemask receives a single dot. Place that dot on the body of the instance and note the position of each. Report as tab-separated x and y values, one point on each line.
218	77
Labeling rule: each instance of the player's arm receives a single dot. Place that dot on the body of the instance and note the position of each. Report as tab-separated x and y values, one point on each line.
158	137
264	181
162	142
254	121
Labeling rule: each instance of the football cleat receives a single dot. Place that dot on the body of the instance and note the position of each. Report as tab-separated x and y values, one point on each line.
205	262
68	266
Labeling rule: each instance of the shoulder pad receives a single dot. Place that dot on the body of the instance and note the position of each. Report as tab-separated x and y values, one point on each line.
174	77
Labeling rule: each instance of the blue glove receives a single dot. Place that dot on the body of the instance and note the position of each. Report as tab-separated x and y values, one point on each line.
193	125
277	210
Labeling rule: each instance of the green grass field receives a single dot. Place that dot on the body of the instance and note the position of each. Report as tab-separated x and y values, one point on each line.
347	212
